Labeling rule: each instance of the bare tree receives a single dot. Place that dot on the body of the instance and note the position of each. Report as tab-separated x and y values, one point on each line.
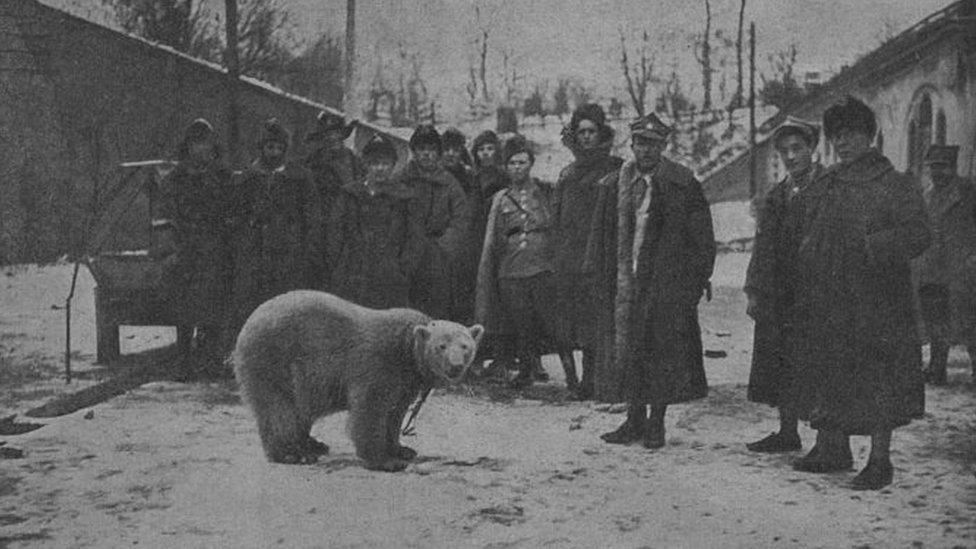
704	57
639	76
178	24
737	99
782	89
510	77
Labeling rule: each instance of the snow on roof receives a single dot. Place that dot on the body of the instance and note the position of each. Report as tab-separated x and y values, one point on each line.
58	7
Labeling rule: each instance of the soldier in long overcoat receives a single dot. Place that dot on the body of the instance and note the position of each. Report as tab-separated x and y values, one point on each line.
947	270
457	162
491	178
586	312
371	240
856	353
333	166
656	245
442	214
281	217
769	281
193	224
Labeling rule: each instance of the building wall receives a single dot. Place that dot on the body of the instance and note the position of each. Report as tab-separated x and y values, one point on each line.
76	99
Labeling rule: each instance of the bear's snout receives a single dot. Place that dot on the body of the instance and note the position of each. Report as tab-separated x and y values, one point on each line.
455	370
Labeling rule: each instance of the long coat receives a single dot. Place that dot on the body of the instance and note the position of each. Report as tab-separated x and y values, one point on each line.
770	277
467	271
582	308
281	215
951	260
442	215
657	350
856	355
331	171
197	208
373	245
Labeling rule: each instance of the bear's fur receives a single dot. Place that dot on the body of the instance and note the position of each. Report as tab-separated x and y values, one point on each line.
305	354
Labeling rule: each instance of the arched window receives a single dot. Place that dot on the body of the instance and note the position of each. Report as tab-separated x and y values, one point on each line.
919	133
940	128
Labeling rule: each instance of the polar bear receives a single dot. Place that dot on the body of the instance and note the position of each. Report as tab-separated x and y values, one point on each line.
306	354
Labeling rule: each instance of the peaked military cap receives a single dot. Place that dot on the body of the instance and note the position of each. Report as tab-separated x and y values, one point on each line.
651	127
380	147
809	131
327	122
942	154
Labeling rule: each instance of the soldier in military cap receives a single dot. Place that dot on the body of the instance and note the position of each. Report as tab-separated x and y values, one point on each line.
516	290
947	270
770	277
655	247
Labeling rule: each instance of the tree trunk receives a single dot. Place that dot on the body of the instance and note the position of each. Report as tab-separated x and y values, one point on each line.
347	81
706	61
737	99
232	60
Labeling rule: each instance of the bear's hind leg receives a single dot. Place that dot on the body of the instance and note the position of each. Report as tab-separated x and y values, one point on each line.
284	434
368	421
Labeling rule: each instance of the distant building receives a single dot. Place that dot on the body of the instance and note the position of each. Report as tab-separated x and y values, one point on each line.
921	85
77	98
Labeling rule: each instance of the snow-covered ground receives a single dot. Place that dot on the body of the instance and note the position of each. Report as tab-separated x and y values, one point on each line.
179	465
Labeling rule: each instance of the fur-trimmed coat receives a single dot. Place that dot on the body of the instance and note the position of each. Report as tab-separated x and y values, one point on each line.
857	355
583	310
673	268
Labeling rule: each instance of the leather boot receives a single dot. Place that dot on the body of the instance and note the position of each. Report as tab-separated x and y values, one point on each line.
936	372
569	368
632	428
653	435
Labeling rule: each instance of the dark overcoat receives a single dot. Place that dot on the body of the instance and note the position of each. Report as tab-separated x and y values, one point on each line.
769	277
331	170
657	350
373	245
280	215
442	215
581	307
197	208
856	353
951	260
467	271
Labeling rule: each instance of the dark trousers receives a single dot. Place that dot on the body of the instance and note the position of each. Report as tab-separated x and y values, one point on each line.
529	306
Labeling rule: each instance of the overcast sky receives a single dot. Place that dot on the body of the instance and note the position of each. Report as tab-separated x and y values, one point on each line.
580	38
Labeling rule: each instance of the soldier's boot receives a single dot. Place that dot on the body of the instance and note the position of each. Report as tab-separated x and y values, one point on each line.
936	372
653	435
526	374
586	386
632	428
569	368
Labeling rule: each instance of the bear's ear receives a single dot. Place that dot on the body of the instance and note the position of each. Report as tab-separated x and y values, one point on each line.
476	332
421	333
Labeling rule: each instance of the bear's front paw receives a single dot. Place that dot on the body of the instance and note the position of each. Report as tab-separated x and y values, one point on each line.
405	452
391	465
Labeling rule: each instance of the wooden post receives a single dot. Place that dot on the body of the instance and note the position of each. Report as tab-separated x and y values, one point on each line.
348	86
752	111
232	60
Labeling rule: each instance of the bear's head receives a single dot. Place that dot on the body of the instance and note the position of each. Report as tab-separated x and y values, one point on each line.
446	349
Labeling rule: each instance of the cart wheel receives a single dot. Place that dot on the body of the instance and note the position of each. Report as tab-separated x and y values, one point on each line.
106	329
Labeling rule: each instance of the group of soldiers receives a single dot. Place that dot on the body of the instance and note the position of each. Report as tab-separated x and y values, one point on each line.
611	260
844	255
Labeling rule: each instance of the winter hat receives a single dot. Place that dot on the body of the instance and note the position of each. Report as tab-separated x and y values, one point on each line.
454	139
198	130
589	111
380	147
273	131
327	122
515	145
808	131
850	114
426	135
483	138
